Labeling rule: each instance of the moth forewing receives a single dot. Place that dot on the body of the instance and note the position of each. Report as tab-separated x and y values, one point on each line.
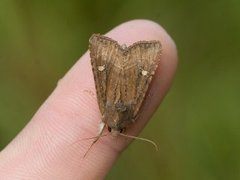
101	52
146	54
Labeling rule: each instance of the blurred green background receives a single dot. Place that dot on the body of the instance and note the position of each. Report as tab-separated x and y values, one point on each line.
197	126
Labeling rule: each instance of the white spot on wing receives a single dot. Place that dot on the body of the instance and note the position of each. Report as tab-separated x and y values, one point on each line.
101	68
144	73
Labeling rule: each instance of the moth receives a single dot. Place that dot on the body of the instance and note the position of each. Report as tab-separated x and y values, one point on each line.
122	76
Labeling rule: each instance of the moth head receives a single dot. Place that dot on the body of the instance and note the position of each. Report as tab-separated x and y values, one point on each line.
115	131
116	124
117	117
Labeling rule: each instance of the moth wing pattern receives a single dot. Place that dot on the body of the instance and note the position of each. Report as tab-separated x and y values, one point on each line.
146	56
104	53
122	75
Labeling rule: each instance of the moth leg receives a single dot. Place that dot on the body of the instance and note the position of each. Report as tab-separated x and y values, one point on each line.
135	118
101	128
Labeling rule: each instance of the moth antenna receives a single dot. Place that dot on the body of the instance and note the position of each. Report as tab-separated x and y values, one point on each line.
75	142
97	138
94	137
142	139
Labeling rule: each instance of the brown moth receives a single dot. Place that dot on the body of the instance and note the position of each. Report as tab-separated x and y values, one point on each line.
122	76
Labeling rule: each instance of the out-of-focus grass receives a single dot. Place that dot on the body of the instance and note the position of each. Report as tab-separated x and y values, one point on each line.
198	125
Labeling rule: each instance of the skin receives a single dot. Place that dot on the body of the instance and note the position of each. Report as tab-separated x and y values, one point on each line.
51	146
